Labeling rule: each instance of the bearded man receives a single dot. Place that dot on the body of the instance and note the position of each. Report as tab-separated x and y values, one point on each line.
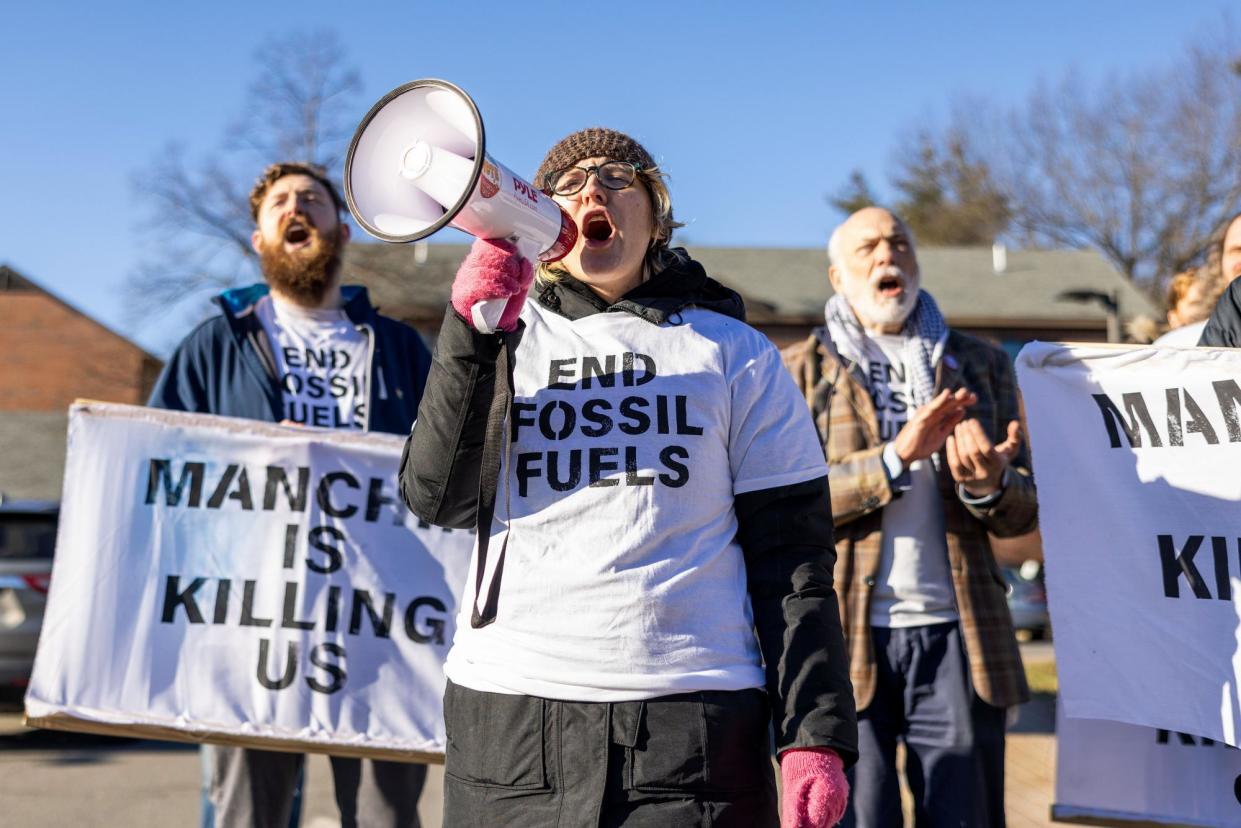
920	427
300	349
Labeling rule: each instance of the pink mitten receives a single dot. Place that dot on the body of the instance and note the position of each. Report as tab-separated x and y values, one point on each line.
492	271
815	790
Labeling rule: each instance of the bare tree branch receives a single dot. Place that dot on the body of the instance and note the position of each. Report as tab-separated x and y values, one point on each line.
303	84
197	223
1143	168
947	193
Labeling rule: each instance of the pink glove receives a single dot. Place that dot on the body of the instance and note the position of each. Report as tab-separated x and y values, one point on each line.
815	790
492	270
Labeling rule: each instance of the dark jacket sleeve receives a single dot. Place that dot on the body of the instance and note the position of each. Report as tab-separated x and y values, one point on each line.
440	464
786	535
181	386
1223	329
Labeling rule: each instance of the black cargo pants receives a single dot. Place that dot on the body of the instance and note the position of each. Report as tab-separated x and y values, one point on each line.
682	761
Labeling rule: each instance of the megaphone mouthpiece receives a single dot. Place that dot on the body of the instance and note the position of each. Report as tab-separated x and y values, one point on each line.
441	174
416	161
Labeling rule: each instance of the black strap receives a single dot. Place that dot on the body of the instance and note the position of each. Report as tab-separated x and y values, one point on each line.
488	482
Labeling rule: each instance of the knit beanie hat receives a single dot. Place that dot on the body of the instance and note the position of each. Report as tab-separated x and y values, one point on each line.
594	142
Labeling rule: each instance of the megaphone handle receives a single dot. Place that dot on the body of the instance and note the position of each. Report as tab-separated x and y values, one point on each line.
528	248
486	315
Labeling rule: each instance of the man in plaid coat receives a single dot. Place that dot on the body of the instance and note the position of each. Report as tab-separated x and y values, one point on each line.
920	426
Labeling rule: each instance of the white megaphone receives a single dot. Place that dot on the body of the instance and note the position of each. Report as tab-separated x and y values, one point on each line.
418	162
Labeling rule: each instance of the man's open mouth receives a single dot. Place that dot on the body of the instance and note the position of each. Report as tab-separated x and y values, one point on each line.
891	286
296	233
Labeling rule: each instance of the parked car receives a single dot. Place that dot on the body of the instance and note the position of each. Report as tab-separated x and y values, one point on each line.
1027	600
27	542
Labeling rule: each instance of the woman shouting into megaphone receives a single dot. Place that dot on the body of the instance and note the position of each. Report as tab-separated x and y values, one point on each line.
652	586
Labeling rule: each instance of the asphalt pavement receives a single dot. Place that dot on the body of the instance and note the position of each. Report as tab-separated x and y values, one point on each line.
52	778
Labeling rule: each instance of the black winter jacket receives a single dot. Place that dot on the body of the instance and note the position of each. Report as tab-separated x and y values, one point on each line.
226	366
784	532
1223	329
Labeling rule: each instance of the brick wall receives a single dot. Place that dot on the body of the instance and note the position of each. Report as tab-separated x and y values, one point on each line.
50	355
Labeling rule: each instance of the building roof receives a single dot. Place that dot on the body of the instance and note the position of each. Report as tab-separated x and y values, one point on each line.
12	281
790	285
405	280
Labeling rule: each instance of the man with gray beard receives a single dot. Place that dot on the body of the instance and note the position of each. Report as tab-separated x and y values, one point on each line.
920	427
300	349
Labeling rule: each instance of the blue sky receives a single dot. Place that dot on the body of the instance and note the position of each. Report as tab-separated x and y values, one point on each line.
756	112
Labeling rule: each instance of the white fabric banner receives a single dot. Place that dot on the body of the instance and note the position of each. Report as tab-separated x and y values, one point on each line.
228	580
1136	452
1124	773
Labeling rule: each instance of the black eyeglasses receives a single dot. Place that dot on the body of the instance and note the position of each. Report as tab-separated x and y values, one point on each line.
615	175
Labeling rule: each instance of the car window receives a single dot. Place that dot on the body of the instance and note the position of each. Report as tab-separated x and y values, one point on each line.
27	536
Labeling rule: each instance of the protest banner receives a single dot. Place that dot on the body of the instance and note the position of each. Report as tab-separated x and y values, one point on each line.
1108	773
238	582
1136	452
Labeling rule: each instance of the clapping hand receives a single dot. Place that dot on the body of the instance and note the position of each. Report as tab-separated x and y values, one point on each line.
976	464
931	424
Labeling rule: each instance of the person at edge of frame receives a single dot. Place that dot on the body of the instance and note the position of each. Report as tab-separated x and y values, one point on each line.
1223	328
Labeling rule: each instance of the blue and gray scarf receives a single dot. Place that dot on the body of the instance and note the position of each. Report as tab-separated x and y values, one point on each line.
925	332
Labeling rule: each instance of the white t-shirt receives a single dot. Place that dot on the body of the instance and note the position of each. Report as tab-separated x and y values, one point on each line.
630	440
914	583
1186	336
321	361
